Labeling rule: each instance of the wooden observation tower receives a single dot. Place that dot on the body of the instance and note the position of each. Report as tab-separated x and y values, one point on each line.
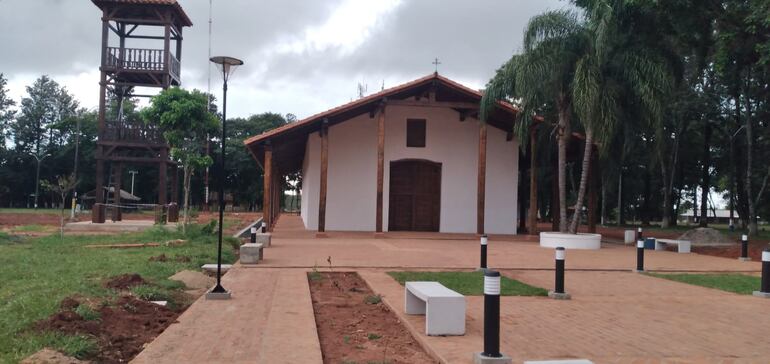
151	26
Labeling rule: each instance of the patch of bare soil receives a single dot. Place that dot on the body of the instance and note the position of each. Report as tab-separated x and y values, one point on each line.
197	282
50	356
125	281
163	258
121	331
355	326
244	219
10	219
732	251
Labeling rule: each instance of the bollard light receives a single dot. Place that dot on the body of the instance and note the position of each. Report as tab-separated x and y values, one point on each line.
558	291
639	256
491	353
264	227
744	248
253	235
639	233
764	290
483	263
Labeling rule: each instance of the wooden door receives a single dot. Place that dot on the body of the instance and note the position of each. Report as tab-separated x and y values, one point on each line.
415	196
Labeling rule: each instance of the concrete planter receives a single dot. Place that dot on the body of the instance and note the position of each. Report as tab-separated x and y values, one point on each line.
570	241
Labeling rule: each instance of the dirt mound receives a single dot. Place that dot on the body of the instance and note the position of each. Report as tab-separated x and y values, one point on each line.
121	330
164	258
125	281
197	282
706	237
69	303
50	356
352	327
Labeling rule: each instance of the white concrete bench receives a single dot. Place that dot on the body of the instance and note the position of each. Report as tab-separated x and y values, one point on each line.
444	309
629	237
683	246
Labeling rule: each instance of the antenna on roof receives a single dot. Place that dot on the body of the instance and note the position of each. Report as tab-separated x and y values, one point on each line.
383	85
362	89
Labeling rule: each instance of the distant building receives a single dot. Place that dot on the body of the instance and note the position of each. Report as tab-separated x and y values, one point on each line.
718	216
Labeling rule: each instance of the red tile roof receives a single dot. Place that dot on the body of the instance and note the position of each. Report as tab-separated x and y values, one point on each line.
180	12
374	98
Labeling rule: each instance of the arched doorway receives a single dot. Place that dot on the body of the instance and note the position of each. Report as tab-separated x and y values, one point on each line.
415	195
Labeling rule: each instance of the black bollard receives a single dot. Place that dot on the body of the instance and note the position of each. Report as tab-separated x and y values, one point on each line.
764	290
559	286
491	353
264	227
558	291
640	256
253	235
492	314
484	241
639	233
744	248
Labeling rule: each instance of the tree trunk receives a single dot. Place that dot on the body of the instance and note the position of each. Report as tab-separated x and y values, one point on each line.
621	220
583	181
645	213
186	208
563	134
752	218
705	175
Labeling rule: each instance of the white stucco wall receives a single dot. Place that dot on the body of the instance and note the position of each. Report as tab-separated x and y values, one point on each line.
351	191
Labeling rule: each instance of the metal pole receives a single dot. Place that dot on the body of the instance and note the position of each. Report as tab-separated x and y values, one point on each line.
639	235
765	285
744	248
75	169
491	314
483	264
640	255
219	288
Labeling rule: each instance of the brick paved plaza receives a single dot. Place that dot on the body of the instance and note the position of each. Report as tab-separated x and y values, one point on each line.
615	316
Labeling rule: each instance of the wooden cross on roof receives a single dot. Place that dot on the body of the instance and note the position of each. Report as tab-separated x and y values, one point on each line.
436	63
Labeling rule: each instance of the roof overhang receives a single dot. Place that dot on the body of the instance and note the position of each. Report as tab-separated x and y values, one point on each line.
288	141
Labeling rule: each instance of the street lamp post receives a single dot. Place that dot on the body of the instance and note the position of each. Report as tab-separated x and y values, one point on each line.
226	65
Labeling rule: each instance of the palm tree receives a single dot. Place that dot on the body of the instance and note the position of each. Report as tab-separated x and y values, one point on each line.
585	66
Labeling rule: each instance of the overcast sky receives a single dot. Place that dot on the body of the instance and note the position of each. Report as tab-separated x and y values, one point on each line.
301	56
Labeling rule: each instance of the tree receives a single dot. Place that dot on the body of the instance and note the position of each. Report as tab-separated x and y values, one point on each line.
186	121
585	67
6	111
34	131
62	186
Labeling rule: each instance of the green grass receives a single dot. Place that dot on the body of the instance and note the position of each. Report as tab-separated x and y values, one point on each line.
30	228
469	283
37	273
736	283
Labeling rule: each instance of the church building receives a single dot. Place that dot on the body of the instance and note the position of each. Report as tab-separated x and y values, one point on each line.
414	157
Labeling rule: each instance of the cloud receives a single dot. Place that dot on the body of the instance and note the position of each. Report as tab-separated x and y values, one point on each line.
302	56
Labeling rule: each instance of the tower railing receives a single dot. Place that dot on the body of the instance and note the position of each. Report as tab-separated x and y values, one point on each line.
140	59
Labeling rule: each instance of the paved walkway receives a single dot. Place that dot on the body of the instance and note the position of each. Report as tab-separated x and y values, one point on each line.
615	316
268	320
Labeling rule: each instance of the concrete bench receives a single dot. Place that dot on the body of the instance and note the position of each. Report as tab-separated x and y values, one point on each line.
212	267
444	309
629	237
251	253
683	246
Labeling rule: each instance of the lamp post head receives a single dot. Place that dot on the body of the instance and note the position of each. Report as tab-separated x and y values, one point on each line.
226	65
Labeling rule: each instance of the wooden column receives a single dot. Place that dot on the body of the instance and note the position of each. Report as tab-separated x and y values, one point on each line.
162	180
482	178
166	56
267	179
593	176
380	167
324	173
532	217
